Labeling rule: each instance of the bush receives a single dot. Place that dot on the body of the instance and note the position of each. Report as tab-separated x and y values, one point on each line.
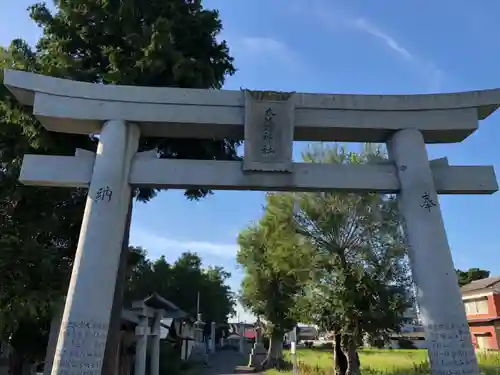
170	358
171	363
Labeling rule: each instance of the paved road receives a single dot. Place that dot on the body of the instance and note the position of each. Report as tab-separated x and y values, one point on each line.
226	363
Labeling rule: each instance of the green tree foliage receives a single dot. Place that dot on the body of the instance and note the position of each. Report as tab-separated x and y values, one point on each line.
360	281
38	226
273	258
156	43
347	246
180	283
472	274
147	43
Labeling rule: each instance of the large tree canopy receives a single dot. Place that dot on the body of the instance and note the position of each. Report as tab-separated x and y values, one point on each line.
39	227
157	43
168	43
350	249
361	283
274	260
180	283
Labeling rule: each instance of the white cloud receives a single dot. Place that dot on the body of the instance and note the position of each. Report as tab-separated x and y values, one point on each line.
433	75
158	245
262	49
264	46
334	18
365	26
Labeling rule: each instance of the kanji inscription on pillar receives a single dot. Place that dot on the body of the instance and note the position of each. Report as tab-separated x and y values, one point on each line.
103	194
87	342
449	352
427	202
268	148
269	123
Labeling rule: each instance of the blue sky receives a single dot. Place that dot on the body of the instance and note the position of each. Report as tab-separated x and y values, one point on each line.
330	46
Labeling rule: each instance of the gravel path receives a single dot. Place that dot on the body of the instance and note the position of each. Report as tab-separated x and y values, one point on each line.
227	363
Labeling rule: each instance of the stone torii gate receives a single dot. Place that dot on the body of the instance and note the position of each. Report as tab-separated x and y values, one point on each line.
268	122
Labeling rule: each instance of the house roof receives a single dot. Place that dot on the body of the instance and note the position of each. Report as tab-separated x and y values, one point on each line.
483	285
248	329
170	310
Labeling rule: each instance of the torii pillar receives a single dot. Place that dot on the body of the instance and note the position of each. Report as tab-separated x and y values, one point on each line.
438	293
87	313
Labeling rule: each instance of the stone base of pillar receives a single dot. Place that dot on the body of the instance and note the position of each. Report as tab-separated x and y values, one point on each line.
257	355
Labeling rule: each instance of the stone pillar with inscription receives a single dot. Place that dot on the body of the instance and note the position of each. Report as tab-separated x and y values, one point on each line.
154	368
269	124
438	294
87	311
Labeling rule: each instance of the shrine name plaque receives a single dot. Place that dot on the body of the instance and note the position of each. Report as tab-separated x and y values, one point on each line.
269	123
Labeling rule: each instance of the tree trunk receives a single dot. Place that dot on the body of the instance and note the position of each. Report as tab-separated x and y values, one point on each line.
274	358
339	358
349	347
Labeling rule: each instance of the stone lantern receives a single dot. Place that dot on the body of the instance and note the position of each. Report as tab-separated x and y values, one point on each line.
258	352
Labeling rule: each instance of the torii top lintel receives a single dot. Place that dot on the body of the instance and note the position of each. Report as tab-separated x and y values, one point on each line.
77	107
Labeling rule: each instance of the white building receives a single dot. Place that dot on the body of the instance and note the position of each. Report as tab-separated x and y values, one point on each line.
412	330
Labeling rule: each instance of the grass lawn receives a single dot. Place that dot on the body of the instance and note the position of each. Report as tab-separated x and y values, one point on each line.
374	361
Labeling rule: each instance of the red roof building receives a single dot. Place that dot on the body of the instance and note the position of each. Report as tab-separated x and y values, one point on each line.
482	306
249	330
